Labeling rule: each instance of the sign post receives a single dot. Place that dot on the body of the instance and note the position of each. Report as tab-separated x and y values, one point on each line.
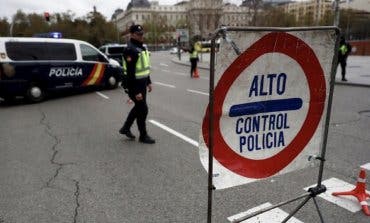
182	37
269	111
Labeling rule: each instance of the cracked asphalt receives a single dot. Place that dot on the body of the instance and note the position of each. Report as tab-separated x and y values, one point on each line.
63	160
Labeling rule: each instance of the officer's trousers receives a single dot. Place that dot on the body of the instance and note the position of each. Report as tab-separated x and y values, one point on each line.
343	64
193	62
138	112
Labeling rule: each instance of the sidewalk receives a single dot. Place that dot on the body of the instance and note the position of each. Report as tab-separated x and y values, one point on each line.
358	69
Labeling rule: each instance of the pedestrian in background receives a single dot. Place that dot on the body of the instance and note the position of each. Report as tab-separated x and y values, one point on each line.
194	51
344	50
136	65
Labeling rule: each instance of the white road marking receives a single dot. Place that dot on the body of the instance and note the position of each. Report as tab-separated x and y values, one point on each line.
366	166
336	185
197	92
166	71
166	85
275	215
168	129
163	64
102	95
204	78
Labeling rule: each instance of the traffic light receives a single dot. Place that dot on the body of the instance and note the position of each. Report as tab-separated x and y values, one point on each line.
47	16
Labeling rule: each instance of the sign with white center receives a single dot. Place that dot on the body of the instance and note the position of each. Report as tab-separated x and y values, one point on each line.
269	105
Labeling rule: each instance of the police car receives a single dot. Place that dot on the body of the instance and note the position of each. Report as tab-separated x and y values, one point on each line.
31	67
114	51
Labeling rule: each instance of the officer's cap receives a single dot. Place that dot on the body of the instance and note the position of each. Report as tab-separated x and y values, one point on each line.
136	29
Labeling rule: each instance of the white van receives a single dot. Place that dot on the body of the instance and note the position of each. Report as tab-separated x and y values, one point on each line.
31	67
114	51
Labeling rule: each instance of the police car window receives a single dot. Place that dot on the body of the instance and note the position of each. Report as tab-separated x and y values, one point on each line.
61	51
115	50
25	51
90	54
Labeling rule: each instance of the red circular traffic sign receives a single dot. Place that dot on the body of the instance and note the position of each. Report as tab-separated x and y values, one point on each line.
275	42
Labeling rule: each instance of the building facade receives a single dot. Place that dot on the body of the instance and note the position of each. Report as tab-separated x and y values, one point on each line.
314	9
201	17
359	5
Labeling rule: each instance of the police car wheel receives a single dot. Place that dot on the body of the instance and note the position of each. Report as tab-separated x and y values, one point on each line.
112	82
35	93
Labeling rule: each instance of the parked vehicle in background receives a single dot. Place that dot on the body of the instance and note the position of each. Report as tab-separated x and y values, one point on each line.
174	50
31	67
114	51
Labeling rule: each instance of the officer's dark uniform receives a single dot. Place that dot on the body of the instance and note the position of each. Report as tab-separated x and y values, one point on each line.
344	51
136	66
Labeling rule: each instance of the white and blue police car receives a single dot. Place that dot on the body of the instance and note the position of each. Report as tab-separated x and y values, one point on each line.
31	67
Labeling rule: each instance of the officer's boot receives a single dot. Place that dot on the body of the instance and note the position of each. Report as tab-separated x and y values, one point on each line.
196	75
126	131
146	139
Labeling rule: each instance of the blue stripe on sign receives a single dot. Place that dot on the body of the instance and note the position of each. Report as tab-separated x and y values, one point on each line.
265	107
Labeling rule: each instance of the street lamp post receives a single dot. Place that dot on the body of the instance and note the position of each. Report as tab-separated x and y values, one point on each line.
178	39
12	26
347	29
155	37
318	11
11	30
117	30
336	13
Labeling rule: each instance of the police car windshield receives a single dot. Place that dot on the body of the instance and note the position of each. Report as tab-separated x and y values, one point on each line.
115	50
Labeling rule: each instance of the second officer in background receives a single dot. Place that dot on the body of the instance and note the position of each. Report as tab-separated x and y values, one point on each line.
136	65
194	51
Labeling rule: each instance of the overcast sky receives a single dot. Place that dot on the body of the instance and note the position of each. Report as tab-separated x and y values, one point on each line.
79	7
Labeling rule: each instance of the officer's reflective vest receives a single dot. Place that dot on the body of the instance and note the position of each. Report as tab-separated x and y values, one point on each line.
194	54
197	48
142	68
343	49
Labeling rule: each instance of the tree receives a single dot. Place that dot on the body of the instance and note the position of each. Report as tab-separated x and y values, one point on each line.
4	27
18	24
355	24
92	28
277	18
100	31
156	29
255	6
327	19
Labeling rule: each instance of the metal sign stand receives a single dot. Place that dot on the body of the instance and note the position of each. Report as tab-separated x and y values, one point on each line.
313	191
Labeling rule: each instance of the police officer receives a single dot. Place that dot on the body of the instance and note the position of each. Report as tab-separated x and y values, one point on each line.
195	49
344	50
136	65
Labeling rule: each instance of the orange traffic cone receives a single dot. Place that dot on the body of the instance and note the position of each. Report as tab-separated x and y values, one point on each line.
359	192
196	74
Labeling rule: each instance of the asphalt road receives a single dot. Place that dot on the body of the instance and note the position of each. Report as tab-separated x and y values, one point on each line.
63	160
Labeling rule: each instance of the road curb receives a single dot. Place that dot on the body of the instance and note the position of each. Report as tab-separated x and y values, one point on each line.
351	84
206	67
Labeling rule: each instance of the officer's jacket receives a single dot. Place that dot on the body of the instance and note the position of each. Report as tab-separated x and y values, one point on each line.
196	49
136	65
